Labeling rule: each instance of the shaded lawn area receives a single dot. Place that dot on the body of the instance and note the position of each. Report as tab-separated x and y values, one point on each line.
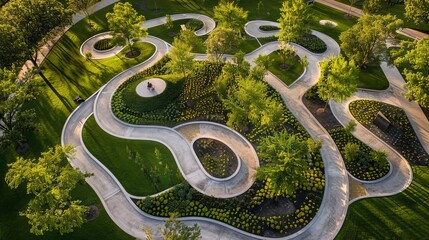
373	78
398	10
289	75
403	216
112	152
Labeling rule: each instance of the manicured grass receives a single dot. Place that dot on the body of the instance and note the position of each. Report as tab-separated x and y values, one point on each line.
143	104
398	10
291	74
403	216
373	78
322	12
138	177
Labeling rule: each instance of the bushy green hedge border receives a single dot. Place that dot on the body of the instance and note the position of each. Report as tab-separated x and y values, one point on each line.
311	42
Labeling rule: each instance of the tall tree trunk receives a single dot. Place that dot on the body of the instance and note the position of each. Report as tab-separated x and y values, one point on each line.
326	105
39	71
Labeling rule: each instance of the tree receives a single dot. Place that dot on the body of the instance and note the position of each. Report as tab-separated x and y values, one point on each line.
286	52
259	71
125	25
33	24
175	230
189	37
287	161
168	22
414	57
249	101
220	41
338	79
181	58
229	15
85	6
372	6
417	11
50	179
294	20
15	121
12	47
365	42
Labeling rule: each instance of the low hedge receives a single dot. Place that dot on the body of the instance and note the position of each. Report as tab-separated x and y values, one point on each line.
103	44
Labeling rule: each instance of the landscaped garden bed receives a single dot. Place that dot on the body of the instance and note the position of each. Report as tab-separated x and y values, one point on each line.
308	41
400	135
217	158
364	164
268	28
287	71
258	210
104	44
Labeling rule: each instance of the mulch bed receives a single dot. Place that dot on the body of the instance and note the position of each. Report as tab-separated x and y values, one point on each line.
132	54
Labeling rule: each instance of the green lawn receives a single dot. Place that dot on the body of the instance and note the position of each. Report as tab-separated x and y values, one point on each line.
70	74
291	74
141	104
112	152
403	216
398	10
373	78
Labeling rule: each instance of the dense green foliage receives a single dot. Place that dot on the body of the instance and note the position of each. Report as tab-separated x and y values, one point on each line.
50	180
414	60
104	44
365	42
403	135
417	11
125	25
363	164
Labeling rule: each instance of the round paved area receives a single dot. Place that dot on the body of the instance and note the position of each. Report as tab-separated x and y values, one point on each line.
158	86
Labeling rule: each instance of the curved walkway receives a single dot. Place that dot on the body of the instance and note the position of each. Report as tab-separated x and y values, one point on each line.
88	45
123	211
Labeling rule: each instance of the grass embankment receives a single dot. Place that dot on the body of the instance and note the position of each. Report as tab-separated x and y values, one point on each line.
403	216
138	176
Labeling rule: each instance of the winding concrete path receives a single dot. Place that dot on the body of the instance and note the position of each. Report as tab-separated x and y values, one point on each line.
88	45
126	215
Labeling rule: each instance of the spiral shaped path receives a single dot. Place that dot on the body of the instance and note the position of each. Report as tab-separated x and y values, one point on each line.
124	212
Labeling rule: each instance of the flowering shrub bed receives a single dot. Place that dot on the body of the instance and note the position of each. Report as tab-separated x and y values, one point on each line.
103	44
308	41
363	167
217	158
258	210
400	135
248	211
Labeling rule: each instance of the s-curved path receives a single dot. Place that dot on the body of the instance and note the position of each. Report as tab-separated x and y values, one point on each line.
88	46
125	213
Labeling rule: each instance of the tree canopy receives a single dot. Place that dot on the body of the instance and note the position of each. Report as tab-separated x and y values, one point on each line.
229	15
338	79
220	41
294	20
125	24
85	6
32	24
50	180
415	59
181	58
286	159
373	6
417	11
14	120
365	41
175	230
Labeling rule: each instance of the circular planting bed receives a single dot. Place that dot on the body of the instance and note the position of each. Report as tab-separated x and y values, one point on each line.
151	87
104	44
268	28
328	23
217	158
